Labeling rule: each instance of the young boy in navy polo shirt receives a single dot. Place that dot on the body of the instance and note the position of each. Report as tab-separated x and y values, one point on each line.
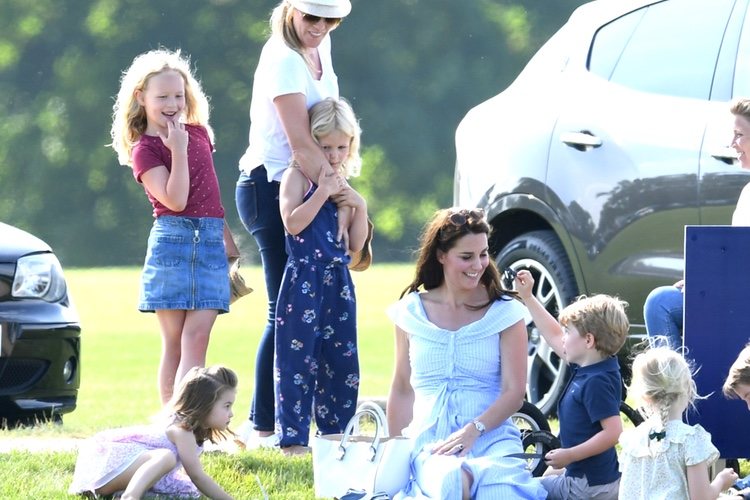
588	335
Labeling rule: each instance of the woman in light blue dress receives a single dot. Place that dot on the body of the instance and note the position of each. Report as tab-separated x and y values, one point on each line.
460	370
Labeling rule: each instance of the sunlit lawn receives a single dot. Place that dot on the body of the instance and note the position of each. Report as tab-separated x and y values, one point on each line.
120	346
120	353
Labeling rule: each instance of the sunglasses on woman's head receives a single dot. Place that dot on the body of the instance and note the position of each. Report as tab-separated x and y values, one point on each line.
464	215
509	275
330	21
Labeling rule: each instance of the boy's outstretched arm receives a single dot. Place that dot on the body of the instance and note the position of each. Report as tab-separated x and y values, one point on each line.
544	321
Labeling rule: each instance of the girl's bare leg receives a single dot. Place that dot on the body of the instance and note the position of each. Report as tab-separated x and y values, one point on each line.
141	475
196	331
171	323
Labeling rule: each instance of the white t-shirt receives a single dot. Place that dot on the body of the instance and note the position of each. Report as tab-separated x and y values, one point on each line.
741	215
282	71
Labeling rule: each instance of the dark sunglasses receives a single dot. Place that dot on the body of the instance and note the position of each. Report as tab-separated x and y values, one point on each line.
330	21
509	275
464	215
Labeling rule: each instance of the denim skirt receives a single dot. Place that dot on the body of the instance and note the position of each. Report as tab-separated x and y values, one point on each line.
186	265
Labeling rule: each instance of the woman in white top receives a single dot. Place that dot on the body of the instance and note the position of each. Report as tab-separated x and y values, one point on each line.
663	308
294	72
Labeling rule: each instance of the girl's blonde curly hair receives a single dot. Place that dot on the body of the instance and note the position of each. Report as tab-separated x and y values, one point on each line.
662	378
129	117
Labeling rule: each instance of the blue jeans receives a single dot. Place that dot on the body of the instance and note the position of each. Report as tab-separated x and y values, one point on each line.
663	314
258	207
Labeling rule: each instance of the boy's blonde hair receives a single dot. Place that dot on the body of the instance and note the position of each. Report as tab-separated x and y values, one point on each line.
331	115
129	117
739	373
661	378
602	316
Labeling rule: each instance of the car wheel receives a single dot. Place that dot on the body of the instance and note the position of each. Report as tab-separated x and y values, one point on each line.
529	418
542	254
535	432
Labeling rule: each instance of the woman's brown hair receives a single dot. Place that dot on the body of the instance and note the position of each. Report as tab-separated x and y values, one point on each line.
441	233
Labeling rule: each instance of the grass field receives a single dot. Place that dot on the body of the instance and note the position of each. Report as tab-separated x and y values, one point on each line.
120	354
120	346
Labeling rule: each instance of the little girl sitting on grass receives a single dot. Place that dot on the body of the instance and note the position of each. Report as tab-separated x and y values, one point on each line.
150	458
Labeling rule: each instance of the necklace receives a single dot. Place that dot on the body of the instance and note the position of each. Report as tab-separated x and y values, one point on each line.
315	65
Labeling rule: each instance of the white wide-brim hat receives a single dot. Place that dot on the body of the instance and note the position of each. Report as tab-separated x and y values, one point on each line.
323	8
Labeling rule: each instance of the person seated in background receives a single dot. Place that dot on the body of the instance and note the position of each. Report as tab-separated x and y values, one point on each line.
663	309
737	386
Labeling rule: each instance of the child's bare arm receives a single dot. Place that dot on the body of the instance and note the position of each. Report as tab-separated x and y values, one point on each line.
357	228
296	212
699	487
171	187
544	321
598	443
184	440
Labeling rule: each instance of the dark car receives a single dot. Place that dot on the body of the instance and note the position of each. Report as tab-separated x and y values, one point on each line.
39	330
613	138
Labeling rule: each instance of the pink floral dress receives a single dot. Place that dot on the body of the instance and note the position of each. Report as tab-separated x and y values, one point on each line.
108	453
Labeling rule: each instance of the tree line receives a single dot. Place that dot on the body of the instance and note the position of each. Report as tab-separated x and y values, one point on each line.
411	68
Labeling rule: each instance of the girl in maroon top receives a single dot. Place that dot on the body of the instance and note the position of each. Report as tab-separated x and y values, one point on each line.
160	129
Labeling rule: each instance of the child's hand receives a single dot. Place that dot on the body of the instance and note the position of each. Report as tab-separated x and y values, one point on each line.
177	137
348	197
559	458
726	478
329	181
524	284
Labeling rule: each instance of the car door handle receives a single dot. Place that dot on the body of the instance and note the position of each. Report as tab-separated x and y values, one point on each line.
582	141
727	155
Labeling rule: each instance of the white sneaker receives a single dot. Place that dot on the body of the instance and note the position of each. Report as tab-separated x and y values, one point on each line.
250	439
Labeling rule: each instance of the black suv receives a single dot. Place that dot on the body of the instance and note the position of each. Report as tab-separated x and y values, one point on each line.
39	332
613	138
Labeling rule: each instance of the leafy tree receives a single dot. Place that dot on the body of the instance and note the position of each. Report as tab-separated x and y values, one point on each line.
412	69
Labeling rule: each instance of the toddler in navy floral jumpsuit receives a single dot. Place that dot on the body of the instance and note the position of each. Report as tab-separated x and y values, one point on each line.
316	363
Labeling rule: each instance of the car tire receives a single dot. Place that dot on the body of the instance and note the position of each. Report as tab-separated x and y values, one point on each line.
542	254
534	429
529	418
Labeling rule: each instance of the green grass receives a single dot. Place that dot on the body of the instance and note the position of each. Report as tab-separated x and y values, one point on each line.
47	475
120	354
120	346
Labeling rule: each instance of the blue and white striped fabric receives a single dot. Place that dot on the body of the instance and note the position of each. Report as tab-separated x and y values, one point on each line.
456	377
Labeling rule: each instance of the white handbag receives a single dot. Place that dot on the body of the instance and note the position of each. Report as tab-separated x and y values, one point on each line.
350	461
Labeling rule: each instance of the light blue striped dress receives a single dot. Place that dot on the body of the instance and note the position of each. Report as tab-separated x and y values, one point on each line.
456	377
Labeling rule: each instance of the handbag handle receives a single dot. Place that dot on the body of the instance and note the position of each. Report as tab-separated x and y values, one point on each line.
371	405
350	428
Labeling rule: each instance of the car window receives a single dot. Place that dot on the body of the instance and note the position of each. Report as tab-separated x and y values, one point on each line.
668	48
610	41
742	69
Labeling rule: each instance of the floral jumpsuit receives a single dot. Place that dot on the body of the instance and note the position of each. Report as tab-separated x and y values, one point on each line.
316	361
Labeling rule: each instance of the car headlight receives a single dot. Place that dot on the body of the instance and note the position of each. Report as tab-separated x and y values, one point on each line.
39	276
